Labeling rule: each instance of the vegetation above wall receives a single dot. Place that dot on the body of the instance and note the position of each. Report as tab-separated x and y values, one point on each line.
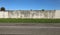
27	20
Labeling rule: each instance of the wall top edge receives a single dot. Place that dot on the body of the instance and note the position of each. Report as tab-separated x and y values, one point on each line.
28	10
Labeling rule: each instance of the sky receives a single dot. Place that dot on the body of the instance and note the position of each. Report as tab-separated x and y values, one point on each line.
30	4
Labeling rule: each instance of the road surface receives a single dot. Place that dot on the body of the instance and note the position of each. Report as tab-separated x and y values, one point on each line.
29	29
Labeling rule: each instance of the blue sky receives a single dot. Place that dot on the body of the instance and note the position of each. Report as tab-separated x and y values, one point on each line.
30	4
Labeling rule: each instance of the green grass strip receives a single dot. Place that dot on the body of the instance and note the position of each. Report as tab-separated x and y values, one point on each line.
27	20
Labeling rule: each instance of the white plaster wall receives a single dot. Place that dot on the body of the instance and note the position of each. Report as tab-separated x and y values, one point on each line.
57	14
12	15
3	14
18	14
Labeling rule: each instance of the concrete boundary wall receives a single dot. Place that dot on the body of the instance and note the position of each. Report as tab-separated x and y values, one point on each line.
57	14
3	14
30	14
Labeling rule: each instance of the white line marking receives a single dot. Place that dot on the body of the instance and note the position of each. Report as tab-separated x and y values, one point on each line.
26	27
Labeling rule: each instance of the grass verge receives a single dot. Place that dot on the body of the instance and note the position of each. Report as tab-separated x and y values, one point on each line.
27	20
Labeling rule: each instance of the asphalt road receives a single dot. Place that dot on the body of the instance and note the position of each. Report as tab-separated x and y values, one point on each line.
29	29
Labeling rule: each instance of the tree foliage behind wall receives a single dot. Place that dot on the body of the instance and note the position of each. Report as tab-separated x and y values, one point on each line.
2	9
